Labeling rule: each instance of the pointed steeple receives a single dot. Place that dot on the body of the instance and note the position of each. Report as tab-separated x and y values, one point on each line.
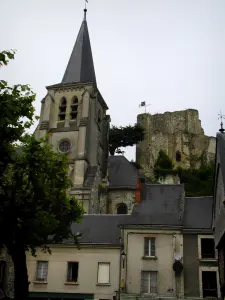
80	67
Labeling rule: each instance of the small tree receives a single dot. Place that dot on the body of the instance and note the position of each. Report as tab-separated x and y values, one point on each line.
124	137
35	205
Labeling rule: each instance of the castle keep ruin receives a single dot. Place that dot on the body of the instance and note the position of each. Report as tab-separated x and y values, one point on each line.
179	134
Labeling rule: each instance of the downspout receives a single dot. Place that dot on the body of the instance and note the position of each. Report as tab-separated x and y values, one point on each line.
173	258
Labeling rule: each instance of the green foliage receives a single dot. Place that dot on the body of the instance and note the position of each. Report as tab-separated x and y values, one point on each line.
35	203
5	56
16	112
124	137
163	165
197	182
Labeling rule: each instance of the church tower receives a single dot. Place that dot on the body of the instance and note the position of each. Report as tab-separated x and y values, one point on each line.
73	115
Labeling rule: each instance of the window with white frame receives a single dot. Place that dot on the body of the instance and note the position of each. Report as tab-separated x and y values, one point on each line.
103	273
149	282
42	271
149	246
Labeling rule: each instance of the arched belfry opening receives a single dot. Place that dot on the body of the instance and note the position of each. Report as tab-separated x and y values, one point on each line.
74	108
122	209
178	156
62	109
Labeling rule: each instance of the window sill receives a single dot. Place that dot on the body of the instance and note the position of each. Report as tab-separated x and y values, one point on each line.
103	284
71	283
40	282
149	257
208	259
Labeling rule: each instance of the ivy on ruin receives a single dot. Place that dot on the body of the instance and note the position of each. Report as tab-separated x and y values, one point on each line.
197	181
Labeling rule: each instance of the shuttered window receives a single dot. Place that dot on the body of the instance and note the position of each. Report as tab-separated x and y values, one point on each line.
149	247
103	273
42	271
148	282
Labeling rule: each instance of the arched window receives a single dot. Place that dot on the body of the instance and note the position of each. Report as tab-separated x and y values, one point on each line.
62	109
74	108
99	120
122	209
178	156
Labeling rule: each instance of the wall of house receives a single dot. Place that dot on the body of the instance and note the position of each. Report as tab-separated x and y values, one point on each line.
172	132
191	265
194	264
168	244
88	259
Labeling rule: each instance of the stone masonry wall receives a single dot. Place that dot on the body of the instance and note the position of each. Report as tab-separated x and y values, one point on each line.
116	197
171	132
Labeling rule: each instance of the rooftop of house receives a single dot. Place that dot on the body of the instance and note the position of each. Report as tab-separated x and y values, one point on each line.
220	145
162	205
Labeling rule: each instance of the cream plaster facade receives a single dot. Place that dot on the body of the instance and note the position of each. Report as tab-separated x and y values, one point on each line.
169	244
88	259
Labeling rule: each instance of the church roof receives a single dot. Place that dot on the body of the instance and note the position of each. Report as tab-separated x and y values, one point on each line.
80	68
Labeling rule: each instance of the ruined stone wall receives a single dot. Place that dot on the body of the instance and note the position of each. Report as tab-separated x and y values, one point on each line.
172	132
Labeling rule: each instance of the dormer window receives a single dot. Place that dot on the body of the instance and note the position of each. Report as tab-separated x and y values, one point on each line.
62	109
74	108
99	119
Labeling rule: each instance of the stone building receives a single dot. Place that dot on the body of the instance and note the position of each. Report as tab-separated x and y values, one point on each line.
179	134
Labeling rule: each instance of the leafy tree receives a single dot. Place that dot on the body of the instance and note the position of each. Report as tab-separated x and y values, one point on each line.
35	205
33	184
124	137
15	105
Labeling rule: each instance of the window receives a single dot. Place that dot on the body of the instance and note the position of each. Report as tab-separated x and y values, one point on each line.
42	271
62	109
207	248
65	146
149	248
121	209
178	156
74	109
103	273
72	274
209	284
149	282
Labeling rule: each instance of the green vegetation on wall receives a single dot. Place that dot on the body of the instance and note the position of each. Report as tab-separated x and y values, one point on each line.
197	182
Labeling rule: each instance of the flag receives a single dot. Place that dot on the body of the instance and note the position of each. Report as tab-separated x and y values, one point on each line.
142	104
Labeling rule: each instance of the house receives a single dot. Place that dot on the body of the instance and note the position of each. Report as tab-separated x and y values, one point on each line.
218	224
163	249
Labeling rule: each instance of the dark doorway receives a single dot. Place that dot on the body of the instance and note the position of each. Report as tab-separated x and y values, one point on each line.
122	209
209	284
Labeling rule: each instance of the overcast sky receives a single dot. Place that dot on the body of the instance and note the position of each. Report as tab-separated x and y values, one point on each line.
169	53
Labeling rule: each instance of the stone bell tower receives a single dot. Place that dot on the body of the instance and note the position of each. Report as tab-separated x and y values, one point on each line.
73	114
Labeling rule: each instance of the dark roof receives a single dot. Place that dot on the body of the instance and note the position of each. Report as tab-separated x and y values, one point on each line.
198	212
121	173
80	67
221	152
162	205
99	229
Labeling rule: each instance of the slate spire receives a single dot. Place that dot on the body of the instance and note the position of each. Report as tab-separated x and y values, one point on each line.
80	67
